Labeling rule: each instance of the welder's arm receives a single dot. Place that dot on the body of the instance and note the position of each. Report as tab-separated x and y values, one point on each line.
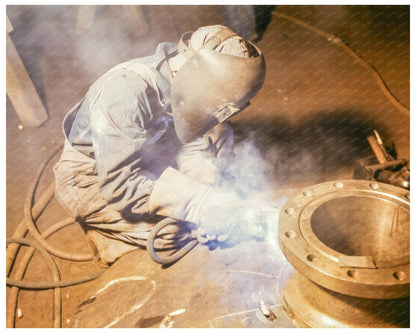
216	213
118	134
196	160
201	159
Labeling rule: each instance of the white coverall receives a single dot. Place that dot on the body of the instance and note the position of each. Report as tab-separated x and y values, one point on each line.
118	140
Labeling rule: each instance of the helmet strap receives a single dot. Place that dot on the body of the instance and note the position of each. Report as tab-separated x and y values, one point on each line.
220	37
211	44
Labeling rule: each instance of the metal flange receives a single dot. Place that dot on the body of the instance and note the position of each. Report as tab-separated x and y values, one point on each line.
351	237
308	305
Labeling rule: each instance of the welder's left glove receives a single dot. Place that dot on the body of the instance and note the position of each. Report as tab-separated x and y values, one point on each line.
216	213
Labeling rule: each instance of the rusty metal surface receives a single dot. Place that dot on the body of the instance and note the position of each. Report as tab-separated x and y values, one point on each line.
233	287
309	305
319	109
351	236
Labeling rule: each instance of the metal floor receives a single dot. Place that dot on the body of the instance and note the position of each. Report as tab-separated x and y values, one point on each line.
309	122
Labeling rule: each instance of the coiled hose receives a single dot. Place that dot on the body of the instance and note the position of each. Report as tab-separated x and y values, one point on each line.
32	212
16	283
31	223
52	265
174	257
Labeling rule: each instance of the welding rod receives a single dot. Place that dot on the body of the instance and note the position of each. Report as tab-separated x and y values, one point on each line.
381	157
381	145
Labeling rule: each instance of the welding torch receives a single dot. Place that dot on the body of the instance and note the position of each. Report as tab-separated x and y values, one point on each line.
259	223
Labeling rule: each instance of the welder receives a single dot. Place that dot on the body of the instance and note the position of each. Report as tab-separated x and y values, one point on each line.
143	142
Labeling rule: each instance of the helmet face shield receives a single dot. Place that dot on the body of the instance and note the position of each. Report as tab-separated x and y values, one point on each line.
211	87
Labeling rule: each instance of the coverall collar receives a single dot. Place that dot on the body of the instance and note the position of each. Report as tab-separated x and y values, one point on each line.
163	72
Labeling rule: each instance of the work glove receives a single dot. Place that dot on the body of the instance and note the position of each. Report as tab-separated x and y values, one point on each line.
216	213
218	216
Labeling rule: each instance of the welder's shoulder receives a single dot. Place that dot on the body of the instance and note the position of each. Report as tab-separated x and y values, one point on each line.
125	79
122	84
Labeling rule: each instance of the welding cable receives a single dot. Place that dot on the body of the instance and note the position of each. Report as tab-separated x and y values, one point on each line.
339	42
34	211
51	285
16	283
37	209
22	229
55	273
29	216
20	271
174	257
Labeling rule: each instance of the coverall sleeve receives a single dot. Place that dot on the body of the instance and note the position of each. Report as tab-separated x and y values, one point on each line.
118	118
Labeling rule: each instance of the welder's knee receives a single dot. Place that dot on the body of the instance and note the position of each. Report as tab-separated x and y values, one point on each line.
106	249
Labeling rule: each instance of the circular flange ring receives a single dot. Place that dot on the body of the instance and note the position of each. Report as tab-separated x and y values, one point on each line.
351	237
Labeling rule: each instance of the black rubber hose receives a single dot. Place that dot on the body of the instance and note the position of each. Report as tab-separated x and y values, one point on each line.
22	228
51	285
174	257
54	269
20	271
31	223
21	268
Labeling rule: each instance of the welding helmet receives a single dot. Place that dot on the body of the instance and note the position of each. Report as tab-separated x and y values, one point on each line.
212	86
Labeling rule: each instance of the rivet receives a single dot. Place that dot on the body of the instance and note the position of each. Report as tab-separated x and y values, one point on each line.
307	193
289	211
352	273
374	186
338	185
399	275
311	257
290	234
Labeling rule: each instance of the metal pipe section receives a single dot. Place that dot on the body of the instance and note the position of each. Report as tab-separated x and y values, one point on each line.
351	238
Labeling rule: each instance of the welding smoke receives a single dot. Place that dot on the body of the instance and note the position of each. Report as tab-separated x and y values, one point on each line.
245	171
247	174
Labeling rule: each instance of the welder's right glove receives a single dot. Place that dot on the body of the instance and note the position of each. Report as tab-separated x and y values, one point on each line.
216	213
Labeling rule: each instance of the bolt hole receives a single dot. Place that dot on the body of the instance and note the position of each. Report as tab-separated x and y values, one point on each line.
307	193
352	273
290	211
374	186
311	257
290	234
399	275
338	185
